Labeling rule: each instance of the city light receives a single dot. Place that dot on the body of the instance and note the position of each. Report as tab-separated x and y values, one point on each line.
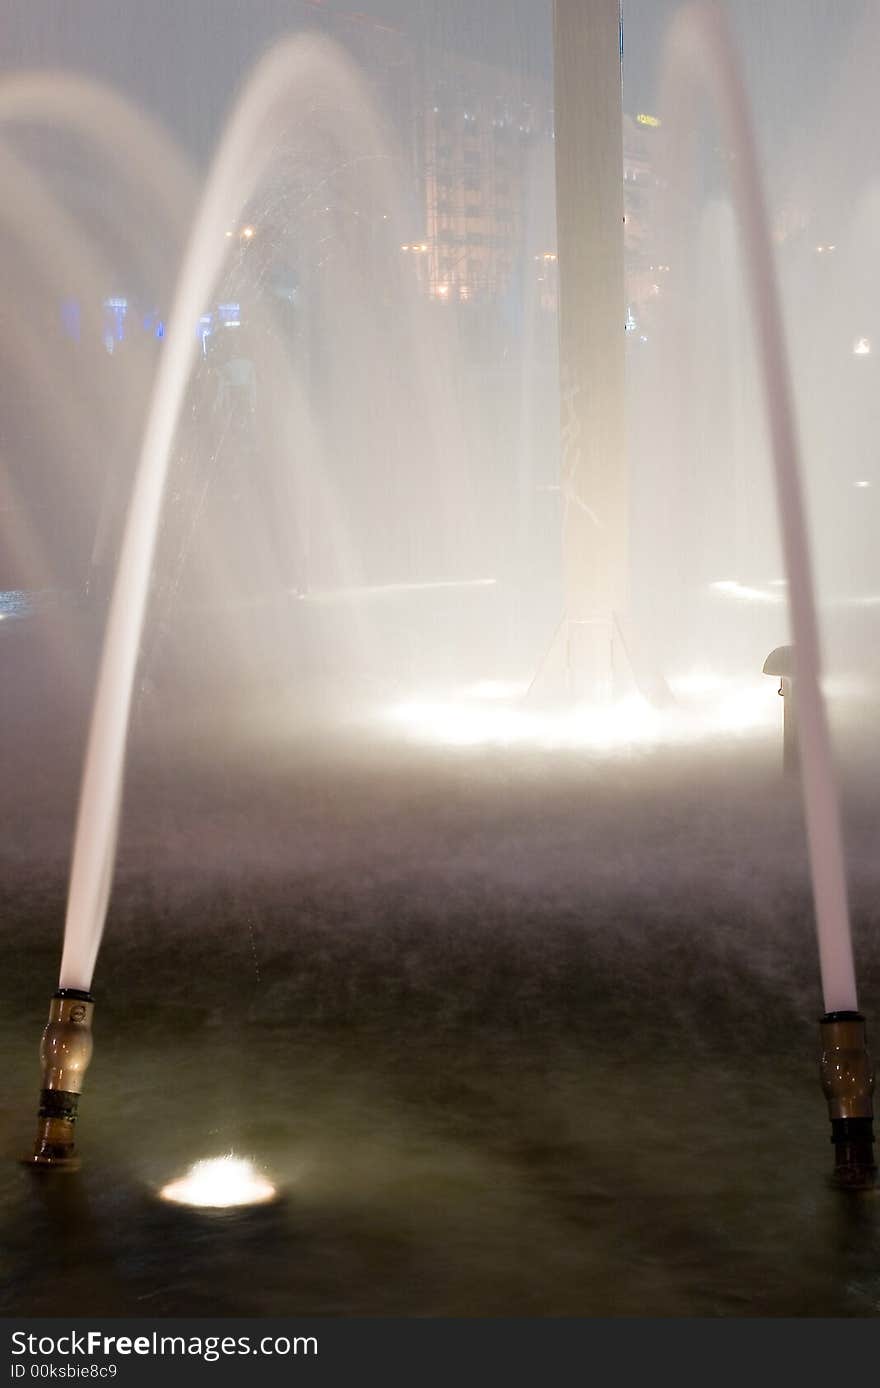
862	347
247	233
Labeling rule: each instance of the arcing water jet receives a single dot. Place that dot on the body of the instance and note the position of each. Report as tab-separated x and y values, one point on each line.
702	56
292	77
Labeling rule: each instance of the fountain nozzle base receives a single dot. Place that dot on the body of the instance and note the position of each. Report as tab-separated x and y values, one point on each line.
65	1052
848	1081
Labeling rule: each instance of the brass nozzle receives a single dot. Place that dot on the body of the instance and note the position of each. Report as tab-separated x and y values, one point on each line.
65	1052
848	1081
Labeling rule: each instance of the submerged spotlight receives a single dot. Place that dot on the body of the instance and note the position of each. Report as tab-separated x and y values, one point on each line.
220	1183
65	1052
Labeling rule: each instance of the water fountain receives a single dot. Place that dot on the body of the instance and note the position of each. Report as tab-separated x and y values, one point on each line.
290	81
701	53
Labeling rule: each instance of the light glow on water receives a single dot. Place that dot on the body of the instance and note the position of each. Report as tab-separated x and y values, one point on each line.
726	709
220	1183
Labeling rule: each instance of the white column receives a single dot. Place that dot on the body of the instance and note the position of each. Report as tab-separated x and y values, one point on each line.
592	313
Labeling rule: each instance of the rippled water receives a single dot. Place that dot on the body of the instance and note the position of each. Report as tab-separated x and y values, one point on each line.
514	1032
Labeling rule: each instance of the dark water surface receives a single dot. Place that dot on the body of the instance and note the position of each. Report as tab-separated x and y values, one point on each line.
514	1033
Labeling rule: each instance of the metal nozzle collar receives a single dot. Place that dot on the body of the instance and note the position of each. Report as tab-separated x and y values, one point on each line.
65	1052
846	1067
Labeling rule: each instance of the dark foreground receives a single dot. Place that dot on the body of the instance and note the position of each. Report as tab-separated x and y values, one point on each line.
523	1035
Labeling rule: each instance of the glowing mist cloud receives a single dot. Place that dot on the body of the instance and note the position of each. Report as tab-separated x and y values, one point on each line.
220	1183
746	594
605	730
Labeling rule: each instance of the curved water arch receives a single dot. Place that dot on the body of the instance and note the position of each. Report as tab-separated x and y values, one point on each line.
292	76
104	119
699	60
50	246
48	233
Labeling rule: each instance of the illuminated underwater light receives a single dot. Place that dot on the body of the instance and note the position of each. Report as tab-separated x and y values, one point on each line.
220	1183
459	721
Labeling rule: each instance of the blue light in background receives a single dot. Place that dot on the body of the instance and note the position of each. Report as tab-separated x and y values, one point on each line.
118	308
154	325
203	331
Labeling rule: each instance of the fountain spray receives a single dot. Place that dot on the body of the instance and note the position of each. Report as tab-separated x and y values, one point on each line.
846	1067
65	1052
702	55
289	78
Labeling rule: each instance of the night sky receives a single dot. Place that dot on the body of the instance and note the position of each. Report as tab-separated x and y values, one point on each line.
184	59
